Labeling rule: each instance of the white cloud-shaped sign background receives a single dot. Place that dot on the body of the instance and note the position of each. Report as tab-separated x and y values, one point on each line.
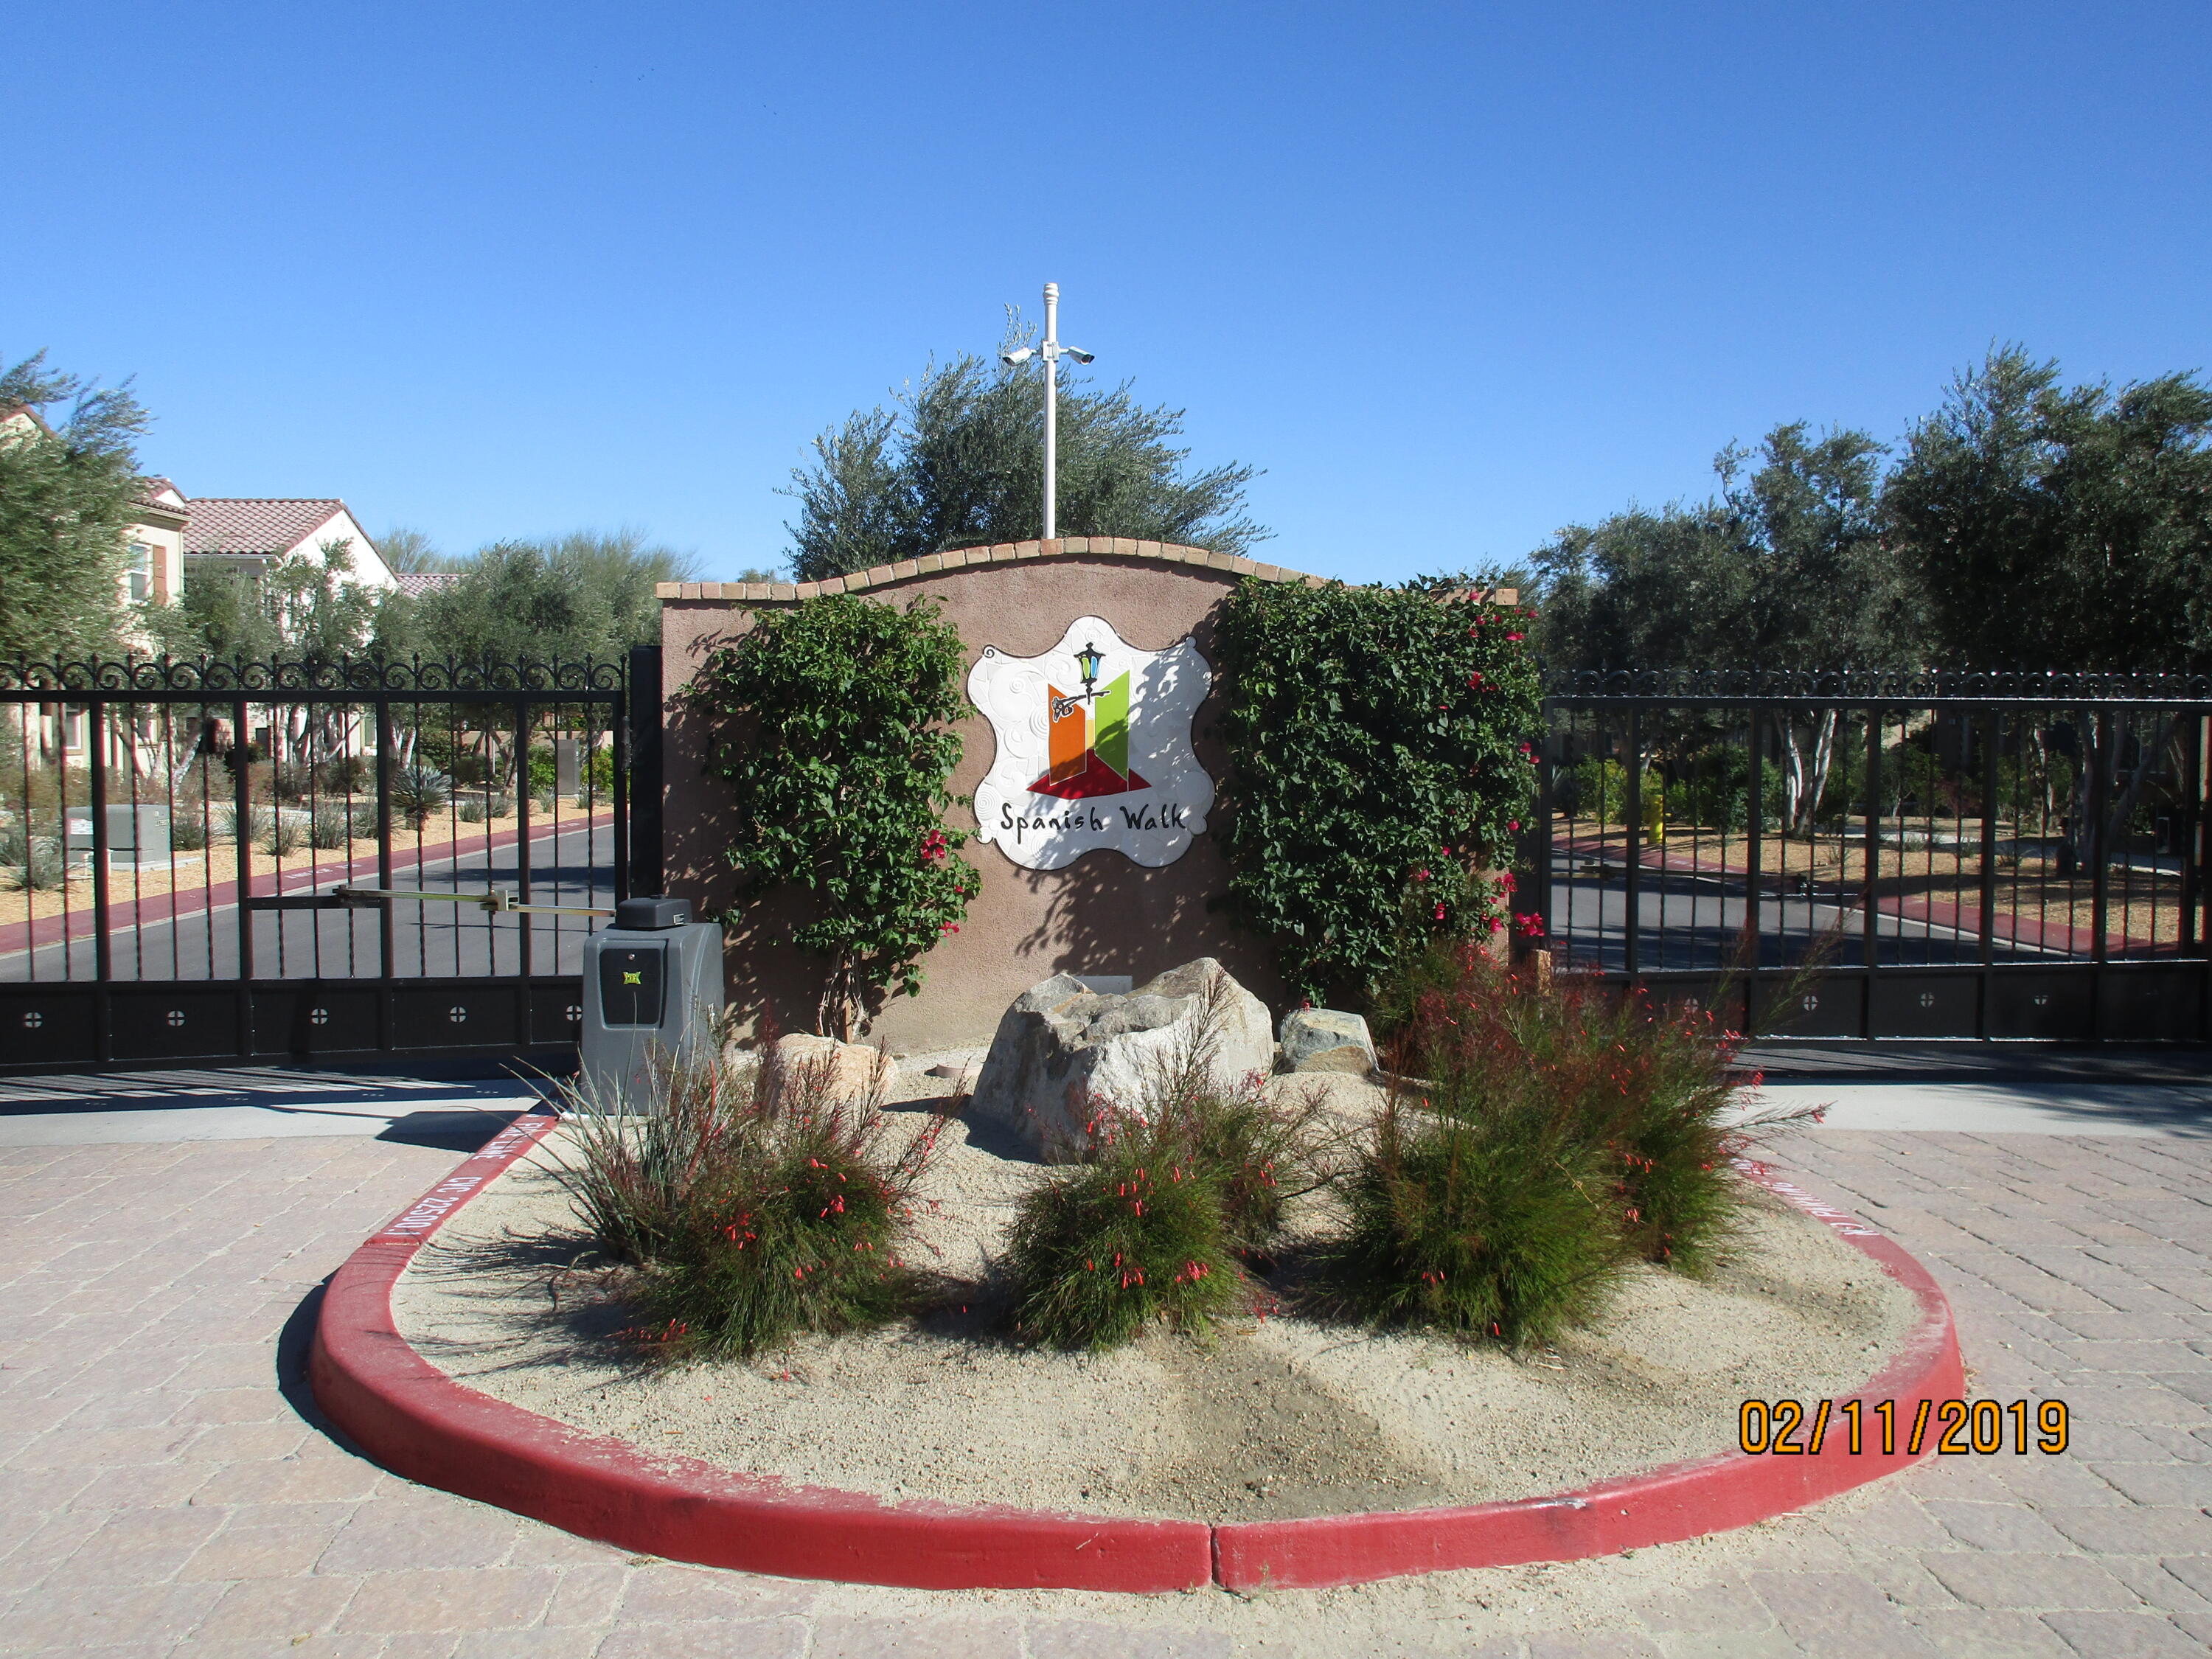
1106	763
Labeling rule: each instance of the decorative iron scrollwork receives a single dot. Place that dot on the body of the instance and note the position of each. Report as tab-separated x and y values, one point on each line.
368	676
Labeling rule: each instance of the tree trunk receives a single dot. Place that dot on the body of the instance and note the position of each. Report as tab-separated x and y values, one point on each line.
2041	747
2089	757
1807	805
1793	776
834	1014
2123	808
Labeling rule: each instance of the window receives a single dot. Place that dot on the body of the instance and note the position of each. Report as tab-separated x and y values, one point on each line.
142	573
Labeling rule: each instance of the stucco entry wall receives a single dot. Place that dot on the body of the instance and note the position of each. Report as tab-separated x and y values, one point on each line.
1103	913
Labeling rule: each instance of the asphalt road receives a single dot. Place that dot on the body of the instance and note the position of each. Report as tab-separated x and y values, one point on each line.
1695	922
572	867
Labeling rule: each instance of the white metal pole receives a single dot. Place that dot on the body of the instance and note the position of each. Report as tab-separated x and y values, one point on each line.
1051	410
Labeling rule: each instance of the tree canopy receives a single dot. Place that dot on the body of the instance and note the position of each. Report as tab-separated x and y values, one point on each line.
2027	525
68	488
302	609
585	594
2057	528
1786	564
957	461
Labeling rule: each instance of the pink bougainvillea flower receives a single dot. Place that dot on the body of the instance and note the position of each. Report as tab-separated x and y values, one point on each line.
1440	910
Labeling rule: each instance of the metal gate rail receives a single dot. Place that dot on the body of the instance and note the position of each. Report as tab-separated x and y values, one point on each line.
197	861
1993	857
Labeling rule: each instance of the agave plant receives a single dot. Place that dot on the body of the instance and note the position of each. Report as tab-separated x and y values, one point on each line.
418	794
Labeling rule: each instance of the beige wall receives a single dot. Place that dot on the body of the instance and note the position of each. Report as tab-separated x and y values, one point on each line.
167	543
1103	915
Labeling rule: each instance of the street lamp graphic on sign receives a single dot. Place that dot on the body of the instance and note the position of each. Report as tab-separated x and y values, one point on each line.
1051	351
1090	734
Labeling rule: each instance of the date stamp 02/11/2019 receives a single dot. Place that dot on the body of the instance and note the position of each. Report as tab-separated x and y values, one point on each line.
1982	1427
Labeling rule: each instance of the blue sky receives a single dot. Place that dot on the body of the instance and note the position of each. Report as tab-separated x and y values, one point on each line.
1454	275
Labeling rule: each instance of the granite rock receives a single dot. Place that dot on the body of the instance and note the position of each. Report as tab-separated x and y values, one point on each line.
1061	1047
1326	1039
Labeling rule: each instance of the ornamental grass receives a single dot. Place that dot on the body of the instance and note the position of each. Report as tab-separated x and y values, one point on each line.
1554	1136
1175	1194
753	1206
1493	1224
1650	1091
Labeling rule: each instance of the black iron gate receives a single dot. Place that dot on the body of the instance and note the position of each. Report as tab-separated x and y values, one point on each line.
218	862
1925	856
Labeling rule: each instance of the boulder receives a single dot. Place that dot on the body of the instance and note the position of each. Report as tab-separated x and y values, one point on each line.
1061	1046
851	1068
1326	1040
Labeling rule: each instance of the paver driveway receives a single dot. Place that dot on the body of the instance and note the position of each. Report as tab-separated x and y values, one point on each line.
165	1488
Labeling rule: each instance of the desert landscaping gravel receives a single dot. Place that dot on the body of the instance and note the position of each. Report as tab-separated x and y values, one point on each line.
1276	1416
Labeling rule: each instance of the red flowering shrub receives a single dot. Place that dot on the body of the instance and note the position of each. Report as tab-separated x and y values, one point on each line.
752	1208
1135	1234
1172	1192
1381	763
1553	1135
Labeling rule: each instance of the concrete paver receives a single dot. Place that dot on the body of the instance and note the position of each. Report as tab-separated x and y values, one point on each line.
166	1488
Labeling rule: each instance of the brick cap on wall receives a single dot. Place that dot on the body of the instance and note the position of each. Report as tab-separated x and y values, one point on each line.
1114	547
1090	547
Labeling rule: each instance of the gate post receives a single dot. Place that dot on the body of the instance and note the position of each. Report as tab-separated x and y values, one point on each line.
95	754
1546	743
1633	944
242	817
1992	728
646	874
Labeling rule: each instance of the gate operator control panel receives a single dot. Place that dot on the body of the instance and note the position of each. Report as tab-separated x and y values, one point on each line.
631	980
653	996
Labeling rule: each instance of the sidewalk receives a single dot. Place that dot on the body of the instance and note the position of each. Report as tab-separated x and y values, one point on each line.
165	1488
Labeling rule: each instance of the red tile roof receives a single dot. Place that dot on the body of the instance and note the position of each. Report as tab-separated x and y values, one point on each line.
266	527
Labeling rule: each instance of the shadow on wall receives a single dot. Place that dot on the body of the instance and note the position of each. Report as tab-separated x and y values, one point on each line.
1103	914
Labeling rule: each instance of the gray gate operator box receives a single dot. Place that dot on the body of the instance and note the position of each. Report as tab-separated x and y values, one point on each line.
653	990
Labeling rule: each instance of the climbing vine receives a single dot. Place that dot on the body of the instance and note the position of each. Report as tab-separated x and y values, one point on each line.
1380	766
831	724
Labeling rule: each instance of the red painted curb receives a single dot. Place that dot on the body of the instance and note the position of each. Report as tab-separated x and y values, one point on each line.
417	1421
1683	1500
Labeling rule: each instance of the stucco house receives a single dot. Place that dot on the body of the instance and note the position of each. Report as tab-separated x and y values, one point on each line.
155	570
173	531
252	534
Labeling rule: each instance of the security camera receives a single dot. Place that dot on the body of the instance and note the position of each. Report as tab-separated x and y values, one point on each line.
1019	355
1079	355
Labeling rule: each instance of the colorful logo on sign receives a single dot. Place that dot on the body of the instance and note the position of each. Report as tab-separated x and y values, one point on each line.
1107	765
1090	734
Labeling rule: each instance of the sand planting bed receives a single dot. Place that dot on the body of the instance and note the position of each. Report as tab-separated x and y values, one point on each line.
1279	1417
